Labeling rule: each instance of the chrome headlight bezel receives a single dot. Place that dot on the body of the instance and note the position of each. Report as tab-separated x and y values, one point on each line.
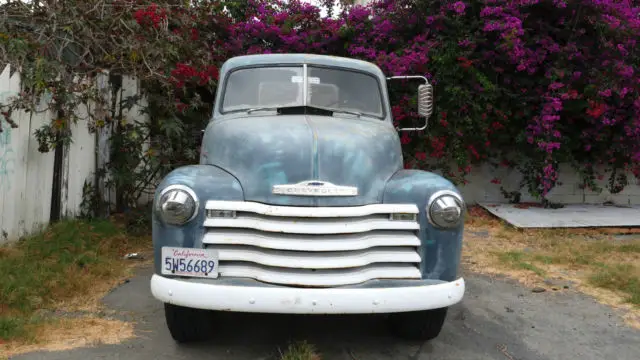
442	195
180	188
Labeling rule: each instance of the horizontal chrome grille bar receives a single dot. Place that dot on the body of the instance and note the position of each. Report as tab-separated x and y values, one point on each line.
319	278
306	242
317	212
317	260
311	226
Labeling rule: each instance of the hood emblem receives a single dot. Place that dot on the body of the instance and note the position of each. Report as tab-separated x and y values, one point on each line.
314	188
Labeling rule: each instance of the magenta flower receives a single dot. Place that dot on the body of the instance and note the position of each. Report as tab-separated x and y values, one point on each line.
605	93
556	86
459	7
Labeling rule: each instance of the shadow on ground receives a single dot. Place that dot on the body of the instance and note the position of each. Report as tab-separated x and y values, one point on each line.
496	320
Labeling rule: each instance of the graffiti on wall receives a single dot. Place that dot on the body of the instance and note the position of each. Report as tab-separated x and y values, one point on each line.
7	155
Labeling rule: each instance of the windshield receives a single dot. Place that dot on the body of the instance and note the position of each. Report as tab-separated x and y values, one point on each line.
282	86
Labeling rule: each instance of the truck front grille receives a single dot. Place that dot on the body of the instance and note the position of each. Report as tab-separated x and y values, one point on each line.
311	246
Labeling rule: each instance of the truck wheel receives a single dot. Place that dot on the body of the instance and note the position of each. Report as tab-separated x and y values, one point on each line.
418	325
188	324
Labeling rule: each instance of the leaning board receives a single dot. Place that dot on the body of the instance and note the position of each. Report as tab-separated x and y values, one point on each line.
570	216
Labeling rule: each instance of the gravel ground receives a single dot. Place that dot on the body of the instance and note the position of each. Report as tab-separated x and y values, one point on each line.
497	319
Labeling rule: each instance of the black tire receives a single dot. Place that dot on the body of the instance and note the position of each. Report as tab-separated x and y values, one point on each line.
418	325
188	324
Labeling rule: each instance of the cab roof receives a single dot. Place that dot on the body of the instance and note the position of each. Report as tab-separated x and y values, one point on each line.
294	58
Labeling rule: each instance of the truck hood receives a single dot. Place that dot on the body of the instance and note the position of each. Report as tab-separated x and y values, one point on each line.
263	151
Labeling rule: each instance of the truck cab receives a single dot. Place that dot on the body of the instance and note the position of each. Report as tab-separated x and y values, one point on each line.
300	204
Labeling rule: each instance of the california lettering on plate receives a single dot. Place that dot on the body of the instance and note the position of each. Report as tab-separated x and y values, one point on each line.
190	262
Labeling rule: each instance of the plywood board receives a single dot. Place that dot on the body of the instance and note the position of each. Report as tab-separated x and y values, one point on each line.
569	216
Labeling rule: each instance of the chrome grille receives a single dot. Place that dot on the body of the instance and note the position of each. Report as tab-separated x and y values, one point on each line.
313	247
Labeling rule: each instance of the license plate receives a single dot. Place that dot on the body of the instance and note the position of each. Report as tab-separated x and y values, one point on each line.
190	262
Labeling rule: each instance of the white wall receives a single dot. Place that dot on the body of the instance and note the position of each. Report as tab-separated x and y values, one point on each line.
26	175
480	188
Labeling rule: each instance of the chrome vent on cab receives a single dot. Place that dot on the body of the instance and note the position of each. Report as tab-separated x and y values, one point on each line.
314	246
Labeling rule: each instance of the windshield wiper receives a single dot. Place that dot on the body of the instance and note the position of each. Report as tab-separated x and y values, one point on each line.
276	108
333	111
279	109
249	111
358	114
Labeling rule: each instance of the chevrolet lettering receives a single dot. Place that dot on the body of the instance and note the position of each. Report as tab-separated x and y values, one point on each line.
300	204
315	188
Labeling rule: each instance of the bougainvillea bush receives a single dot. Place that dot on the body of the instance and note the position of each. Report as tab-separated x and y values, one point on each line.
523	83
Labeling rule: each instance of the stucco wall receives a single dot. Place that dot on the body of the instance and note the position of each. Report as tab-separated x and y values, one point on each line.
480	188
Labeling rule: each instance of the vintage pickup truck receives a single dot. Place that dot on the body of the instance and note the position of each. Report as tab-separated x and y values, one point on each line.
301	205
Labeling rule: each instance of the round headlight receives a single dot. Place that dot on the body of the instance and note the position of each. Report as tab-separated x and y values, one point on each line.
177	204
445	209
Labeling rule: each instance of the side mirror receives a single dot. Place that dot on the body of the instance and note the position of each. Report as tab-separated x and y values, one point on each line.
425	100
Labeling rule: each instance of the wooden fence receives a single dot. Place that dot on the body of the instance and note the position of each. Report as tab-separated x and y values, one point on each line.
32	190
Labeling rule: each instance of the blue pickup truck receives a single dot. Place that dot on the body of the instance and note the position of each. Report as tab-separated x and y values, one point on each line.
300	204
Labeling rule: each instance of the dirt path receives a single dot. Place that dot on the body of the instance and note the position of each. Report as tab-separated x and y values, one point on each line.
498	319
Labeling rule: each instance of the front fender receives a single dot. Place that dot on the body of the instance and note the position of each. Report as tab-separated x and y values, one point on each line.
441	249
209	183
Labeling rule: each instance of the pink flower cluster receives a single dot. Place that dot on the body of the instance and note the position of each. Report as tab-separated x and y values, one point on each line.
559	78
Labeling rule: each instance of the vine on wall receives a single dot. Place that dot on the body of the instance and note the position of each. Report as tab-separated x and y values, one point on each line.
526	84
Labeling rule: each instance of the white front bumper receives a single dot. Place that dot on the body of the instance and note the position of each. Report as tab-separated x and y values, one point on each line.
283	300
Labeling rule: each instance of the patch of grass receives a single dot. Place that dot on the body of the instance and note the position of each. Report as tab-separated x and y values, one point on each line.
629	248
300	351
597	261
619	277
545	259
12	326
61	334
519	260
69	265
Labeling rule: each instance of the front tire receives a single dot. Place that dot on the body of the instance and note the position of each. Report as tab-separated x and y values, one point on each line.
188	324
418	325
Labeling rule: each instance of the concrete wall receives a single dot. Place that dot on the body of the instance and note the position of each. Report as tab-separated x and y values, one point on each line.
480	188
26	175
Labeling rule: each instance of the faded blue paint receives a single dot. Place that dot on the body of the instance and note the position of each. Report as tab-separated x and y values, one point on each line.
209	183
344	151
260	150
440	249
